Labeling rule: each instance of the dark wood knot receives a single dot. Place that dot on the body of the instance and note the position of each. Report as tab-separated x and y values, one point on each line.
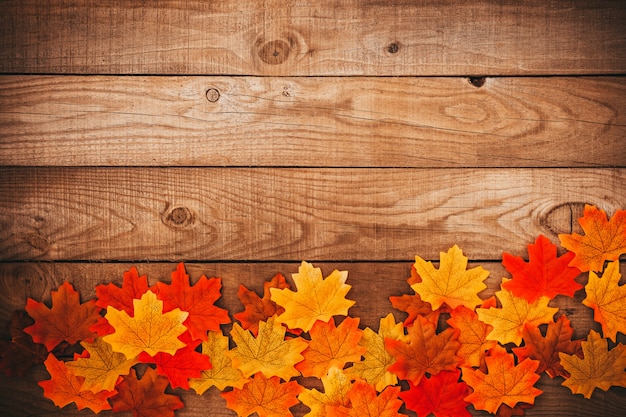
37	242
178	217
275	52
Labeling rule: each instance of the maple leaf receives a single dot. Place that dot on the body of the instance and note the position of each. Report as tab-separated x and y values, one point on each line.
366	402
472	335
599	368
330	346
544	274
133	287
315	298
452	284
608	300
504	382
102	368
376	359
184	364
603	240
336	386
256	308
413	305
266	397
68	320
221	374
145	397
426	351
20	353
508	322
149	330
64	388
546	349
198	300
268	353
442	395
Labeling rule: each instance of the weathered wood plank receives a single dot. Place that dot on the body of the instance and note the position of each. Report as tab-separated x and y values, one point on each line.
290	214
353	37
346	122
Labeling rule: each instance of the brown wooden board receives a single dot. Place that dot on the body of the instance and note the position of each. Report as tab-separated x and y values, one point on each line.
302	121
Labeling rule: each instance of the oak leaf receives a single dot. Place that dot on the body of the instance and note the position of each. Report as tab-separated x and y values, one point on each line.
266	397
197	300
504	382
426	351
472	336
366	402
20	353
608	300
508	322
222	374
67	320
546	349
102	368
603	240
315	298
544	274
256	308
145	397
442	395
64	388
133	287
599	368
336	386
452	284
268	353
149	330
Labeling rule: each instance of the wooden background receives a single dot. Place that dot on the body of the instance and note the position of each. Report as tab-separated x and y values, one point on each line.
245	136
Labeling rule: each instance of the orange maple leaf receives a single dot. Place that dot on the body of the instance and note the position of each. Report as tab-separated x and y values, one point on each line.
366	402
442	395
452	284
68	320
145	397
426	351
331	346
599	368
472	336
336	387
197	300
544	274
413	305
315	298
64	388
603	240
608	300
266	397
504	382
256	308
133	287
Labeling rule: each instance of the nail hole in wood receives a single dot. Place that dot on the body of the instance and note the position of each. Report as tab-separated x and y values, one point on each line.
477	81
212	95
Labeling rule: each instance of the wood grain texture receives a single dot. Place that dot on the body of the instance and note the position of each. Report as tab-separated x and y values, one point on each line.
329	121
276	37
290	214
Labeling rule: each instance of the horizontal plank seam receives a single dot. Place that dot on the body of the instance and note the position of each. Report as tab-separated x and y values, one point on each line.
163	75
309	167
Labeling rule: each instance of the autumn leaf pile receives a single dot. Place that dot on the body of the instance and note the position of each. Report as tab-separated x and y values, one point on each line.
135	346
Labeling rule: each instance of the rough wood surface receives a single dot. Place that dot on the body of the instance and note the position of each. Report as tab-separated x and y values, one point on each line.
328	121
276	37
290	214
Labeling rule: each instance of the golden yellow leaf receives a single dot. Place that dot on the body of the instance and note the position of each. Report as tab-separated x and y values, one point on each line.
336	386
608	300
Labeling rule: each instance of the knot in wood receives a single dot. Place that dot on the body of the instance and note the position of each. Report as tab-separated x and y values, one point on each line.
178	217
212	94
563	218
275	52
37	241
477	81
393	48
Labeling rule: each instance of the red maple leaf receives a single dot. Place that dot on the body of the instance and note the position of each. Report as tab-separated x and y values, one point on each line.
256	308
543	274
442	395
133	287
20	353
198	300
145	397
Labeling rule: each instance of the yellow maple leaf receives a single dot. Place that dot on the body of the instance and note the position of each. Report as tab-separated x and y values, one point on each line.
608	300
149	330
268	353
599	368
452	284
336	386
102	368
376	359
222	373
508	321
315	298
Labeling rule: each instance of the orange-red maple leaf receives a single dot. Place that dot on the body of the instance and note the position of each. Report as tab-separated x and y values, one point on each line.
426	351
145	397
544	274
603	240
472	335
266	397
133	287
442	395
504	382
198	300
330	346
546	349
64	388
413	305
366	402
68	320
256	308
20	353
